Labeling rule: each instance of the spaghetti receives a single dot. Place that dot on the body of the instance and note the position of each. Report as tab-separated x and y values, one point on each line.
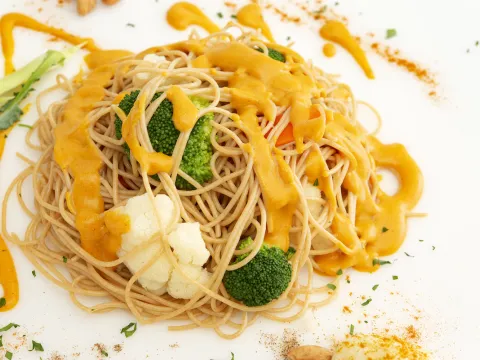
258	187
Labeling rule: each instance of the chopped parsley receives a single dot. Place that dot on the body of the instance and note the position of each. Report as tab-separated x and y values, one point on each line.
391	33
104	353
384	229
130	25
433	247
233	356
366	322
351	329
3	302
339	272
380	262
315	183
409	255
375	287
331	286
36	346
336	3
9	326
477	43
395	277
1	341
288	38
26	126
421	240
233	16
367	302
129	330
220	15
65	259
322	10
348	281
9	355
34	273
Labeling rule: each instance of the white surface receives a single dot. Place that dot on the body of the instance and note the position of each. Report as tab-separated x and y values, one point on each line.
443	136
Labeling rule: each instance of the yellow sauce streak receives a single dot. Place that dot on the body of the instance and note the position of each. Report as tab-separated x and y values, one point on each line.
184	111
152	163
102	57
8	277
329	50
251	15
336	32
259	80
9	21
75	151
372	218
183	14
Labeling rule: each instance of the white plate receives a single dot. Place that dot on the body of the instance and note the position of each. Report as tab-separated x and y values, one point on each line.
443	136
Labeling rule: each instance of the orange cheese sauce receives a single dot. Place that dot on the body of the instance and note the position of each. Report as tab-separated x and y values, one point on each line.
368	239
338	33
184	111
329	50
8	277
75	151
183	14
251	15
9	21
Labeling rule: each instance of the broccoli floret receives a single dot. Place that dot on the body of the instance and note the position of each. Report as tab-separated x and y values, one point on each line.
263	279
163	136
274	54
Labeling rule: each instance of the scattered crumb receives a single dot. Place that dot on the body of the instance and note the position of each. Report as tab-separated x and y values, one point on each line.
56	356
281	345
347	310
117	347
174	346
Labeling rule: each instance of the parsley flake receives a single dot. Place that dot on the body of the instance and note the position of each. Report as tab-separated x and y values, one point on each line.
288	38
315	183
367	302
380	262
375	287
129	330
351	329
34	273
409	255
36	346
395	277
433	247
65	259
1	341
9	326
9	355
391	33
130	25
421	240
331	286
220	15
25	126
233	356
384	229
3	302
233	16
104	353
339	272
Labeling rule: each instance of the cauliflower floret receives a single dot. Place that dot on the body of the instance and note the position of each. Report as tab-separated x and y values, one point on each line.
186	241
181	288
141	79
313	194
188	245
143	225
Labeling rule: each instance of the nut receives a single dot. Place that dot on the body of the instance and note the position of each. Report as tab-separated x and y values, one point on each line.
85	6
309	352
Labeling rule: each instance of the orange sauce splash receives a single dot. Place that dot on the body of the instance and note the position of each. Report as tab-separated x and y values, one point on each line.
251	15
183	14
338	33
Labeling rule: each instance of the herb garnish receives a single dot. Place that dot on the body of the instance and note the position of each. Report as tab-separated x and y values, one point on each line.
9	355
233	356
331	286
129	330
315	183
384	229
375	287
104	353
351	329
339	272
433	247
220	15
409	255
130	25
395	277
9	326
233	16
1	342
391	33
65	259
26	126
36	346
367	302
380	262
34	273
3	302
